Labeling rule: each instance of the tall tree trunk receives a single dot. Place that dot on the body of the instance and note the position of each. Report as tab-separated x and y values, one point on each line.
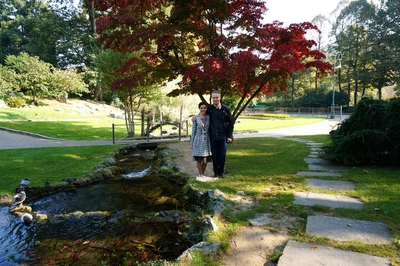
380	93
292	96
98	92
315	82
348	88
92	17
355	86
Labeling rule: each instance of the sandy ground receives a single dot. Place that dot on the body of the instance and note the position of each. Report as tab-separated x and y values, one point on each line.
252	244
185	159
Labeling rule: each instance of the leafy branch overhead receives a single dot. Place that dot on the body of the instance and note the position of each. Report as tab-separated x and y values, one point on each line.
214	44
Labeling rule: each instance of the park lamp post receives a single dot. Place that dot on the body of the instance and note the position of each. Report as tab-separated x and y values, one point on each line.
337	64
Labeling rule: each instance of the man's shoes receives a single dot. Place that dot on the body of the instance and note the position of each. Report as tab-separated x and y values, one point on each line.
215	175
222	175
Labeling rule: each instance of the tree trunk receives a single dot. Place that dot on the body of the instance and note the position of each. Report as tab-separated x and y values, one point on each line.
98	92
380	93
355	87
292	91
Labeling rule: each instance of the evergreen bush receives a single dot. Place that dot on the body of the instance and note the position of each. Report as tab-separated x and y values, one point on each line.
16	102
369	136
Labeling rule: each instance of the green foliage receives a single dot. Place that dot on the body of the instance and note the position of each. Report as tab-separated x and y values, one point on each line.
54	31
7	81
274	257
322	99
393	128
66	82
369	136
171	106
16	101
37	79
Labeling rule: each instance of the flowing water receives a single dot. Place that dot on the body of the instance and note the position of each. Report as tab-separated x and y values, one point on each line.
136	217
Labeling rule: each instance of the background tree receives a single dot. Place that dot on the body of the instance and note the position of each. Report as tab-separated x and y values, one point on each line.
351	32
7	81
322	23
385	36
37	79
31	27
212	44
107	64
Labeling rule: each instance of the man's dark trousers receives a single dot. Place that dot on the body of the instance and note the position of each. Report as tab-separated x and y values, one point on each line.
218	149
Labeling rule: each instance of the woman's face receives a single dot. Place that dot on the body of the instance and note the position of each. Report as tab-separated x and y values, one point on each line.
203	109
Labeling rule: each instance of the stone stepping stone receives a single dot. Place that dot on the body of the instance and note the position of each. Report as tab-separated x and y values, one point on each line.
315	149
330	184
329	168
297	139
314	144
265	219
300	254
344	229
332	201
316	174
318	161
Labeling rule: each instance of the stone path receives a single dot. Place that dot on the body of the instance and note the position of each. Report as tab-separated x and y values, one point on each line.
296	253
340	229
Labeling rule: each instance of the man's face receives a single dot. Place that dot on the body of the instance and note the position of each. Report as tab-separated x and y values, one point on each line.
216	97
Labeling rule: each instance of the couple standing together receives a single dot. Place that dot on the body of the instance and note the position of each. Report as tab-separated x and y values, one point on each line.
211	131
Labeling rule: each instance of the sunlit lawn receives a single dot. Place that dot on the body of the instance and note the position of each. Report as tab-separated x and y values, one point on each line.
261	167
48	164
254	123
266	168
97	129
73	130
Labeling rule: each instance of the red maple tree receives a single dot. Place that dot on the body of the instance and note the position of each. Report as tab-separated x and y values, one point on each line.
211	44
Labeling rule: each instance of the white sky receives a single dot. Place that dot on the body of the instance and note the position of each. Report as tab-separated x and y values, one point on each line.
295	11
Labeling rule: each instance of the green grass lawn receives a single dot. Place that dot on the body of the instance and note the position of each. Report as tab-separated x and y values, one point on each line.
72	130
101	129
48	164
254	123
266	169
262	167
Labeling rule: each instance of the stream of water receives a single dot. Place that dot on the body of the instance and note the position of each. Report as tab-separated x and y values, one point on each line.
138	217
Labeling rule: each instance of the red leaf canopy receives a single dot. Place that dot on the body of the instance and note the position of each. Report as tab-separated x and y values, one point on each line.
212	44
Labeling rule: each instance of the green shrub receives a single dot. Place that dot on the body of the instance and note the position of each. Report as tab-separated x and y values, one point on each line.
369	136
393	129
16	102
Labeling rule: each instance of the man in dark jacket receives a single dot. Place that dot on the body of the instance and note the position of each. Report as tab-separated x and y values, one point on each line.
221	132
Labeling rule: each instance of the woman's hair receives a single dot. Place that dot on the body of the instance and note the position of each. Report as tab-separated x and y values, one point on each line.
203	103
